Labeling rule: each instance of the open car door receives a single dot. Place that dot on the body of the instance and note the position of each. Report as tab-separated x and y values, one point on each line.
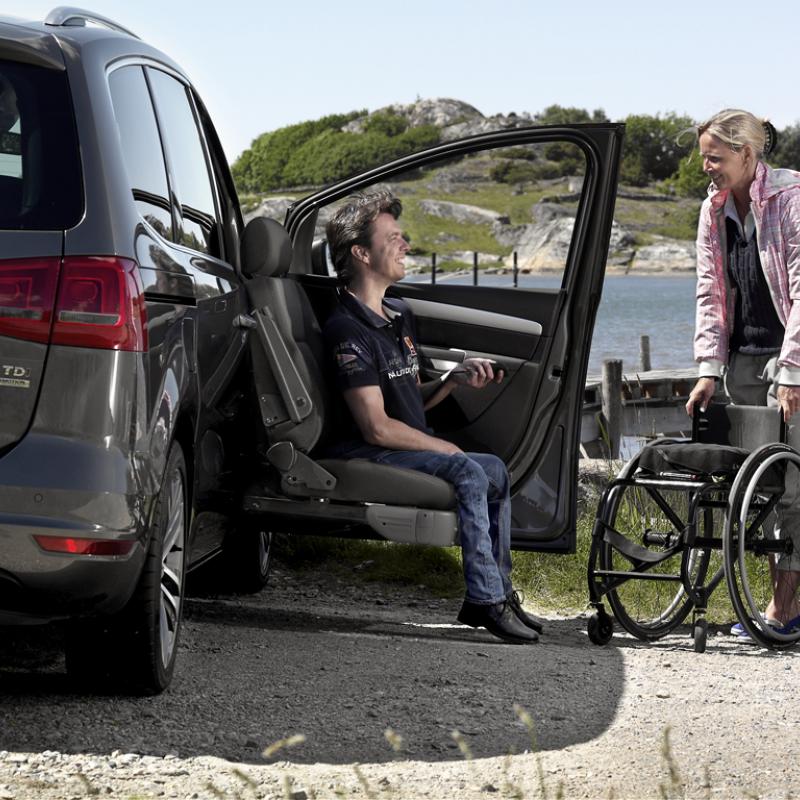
501	196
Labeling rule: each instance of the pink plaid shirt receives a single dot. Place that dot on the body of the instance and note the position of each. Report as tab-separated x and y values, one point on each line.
775	196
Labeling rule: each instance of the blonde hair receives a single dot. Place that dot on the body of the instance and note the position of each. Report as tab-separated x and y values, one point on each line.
737	129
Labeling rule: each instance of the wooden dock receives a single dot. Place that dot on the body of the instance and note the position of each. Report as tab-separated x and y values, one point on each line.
640	404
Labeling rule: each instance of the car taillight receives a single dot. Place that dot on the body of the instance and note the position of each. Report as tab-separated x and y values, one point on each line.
100	304
27	297
84	301
84	547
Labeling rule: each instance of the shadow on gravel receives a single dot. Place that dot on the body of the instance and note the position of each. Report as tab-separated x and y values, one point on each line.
253	671
249	675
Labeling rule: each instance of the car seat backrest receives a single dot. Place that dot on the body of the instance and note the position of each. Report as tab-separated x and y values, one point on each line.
288	351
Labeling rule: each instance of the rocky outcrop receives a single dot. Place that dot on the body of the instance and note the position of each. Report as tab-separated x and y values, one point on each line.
665	255
543	246
461	212
454	118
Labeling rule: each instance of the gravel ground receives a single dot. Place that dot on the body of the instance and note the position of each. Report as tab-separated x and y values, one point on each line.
340	662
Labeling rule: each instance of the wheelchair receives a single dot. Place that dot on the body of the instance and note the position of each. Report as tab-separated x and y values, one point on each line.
684	515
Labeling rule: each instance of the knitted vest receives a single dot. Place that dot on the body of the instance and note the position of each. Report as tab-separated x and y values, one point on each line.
757	330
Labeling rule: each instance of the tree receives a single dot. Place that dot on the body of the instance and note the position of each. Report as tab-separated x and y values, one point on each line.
260	168
571	158
651	150
787	153
690	180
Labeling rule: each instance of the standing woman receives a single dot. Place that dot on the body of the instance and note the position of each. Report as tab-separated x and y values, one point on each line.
748	293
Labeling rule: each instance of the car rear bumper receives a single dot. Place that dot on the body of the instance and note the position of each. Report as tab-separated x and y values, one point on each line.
37	585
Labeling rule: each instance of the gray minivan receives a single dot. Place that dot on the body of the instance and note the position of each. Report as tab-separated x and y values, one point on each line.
160	363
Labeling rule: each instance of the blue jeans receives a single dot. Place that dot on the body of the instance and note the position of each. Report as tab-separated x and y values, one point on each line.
482	490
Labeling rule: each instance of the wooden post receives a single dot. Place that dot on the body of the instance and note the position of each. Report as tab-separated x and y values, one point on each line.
433	267
612	405
474	267
644	353
516	270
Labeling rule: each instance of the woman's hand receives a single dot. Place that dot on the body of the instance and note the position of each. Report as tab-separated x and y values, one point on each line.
789	400
702	393
476	372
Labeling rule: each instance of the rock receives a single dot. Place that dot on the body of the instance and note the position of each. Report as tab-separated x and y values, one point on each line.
543	246
272	207
461	212
545	211
666	255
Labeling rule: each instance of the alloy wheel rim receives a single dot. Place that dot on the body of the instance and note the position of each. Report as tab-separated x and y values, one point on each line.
172	568
264	541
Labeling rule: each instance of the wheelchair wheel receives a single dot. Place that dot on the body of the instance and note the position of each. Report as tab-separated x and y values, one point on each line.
750	545
700	635
600	629
653	600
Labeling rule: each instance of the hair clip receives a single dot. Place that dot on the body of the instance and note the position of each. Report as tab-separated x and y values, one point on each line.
770	137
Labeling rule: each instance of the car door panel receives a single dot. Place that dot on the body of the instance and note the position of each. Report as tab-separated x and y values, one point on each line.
542	336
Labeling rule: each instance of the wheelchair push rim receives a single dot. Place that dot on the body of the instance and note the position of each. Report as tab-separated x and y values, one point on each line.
748	572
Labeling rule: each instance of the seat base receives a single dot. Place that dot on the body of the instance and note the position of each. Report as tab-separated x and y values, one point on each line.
361	481
409	525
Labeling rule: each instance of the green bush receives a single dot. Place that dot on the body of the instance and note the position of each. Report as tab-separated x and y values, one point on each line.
386	123
690	180
260	168
651	151
787	153
321	152
525	152
514	171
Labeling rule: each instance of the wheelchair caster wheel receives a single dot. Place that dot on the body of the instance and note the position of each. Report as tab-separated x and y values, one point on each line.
600	629
700	634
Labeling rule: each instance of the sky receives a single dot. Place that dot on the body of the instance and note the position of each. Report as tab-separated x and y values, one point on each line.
260	65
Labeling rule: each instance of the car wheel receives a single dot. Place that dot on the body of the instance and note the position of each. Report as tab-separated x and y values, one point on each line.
136	649
248	555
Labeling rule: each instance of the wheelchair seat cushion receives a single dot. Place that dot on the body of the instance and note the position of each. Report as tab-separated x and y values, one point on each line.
713	460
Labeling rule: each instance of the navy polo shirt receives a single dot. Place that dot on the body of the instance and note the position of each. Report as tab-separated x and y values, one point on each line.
365	349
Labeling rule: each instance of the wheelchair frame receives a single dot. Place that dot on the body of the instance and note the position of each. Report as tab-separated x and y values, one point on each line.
677	553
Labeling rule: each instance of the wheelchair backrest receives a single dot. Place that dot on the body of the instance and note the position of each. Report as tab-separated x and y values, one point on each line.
747	427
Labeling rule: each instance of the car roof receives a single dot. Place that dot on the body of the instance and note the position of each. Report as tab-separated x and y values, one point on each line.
82	30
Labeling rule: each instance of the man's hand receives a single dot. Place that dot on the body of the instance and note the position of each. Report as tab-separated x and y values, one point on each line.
477	373
789	400
702	393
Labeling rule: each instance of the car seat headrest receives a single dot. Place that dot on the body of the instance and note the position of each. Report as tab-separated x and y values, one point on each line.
266	249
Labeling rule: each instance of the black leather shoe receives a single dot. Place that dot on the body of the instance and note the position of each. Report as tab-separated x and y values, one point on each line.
500	620
525	617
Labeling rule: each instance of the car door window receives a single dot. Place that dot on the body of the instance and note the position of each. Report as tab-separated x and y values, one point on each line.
199	228
479	218
141	147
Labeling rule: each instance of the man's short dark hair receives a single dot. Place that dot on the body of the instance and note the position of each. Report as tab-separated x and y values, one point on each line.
352	224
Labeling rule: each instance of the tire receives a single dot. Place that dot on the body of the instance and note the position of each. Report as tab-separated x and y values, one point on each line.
136	649
649	609
700	635
600	629
748	553
248	557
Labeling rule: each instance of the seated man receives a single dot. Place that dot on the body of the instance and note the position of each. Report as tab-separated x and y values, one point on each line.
373	350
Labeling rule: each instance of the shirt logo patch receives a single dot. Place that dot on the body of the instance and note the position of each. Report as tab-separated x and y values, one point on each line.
410	345
343	359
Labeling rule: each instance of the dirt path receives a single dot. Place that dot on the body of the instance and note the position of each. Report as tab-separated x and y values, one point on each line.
340	662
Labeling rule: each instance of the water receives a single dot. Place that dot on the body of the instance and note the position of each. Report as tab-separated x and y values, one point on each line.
661	307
